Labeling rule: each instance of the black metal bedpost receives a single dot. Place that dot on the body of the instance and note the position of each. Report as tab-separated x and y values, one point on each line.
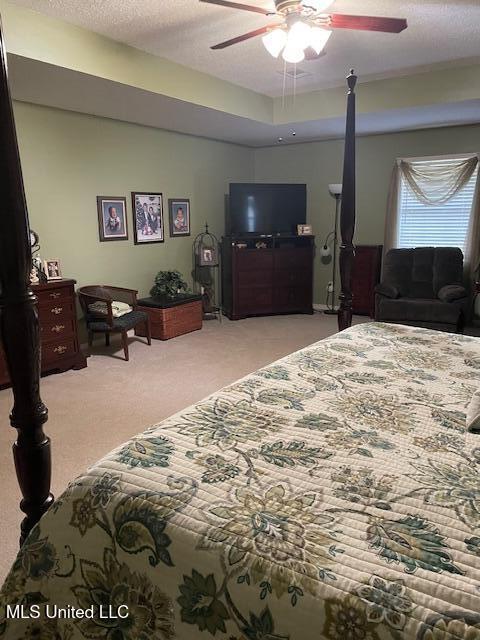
19	322
347	215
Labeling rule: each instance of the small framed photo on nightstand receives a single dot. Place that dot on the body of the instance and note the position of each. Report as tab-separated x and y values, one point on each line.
53	270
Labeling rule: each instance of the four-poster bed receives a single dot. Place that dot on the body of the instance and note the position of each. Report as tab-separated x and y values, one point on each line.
332	494
19	321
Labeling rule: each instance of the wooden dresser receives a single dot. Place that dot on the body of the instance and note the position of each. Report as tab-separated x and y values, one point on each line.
261	281
60	348
366	270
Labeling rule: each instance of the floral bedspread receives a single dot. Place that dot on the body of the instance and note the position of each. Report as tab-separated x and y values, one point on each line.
334	494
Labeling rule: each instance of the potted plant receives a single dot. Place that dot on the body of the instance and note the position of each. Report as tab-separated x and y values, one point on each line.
168	284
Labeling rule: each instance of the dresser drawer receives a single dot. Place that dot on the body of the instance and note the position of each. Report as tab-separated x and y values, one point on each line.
56	312
255	299
293	259
294	278
57	329
55	350
55	295
257	259
293	298
255	277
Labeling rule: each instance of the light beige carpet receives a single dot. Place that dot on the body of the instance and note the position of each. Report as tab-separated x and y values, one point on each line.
96	409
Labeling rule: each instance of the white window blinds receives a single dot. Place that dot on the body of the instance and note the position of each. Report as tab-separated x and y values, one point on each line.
441	225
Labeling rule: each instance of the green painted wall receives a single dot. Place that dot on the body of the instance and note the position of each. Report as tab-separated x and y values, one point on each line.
320	163
69	158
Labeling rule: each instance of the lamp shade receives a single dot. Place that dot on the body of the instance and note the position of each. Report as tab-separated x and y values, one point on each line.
335	190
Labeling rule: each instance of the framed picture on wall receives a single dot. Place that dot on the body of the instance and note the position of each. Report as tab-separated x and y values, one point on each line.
147	217
52	269
179	217
112	218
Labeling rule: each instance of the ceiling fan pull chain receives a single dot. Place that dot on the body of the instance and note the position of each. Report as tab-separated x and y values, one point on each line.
294	84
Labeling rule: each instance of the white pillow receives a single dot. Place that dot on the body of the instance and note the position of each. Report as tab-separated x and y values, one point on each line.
119	309
473	413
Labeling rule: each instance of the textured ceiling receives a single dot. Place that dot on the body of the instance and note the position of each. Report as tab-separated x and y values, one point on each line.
183	30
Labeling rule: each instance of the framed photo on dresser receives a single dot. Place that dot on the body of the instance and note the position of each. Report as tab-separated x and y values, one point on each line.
147	217
53	270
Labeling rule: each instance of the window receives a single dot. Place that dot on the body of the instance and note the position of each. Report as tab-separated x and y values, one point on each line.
443	225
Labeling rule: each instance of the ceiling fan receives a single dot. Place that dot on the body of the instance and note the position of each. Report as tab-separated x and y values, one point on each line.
305	29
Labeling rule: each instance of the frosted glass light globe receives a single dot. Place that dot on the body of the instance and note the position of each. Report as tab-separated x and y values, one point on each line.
293	54
274	41
319	38
299	35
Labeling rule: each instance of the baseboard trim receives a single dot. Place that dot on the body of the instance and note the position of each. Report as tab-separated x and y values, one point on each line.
320	307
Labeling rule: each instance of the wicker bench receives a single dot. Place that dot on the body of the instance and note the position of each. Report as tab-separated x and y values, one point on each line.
171	318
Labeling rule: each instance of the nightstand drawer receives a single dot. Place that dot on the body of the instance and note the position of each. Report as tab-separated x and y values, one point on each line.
57	329
55	312
55	295
52	351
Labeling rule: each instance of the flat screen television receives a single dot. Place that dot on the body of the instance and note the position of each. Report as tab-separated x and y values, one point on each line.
266	209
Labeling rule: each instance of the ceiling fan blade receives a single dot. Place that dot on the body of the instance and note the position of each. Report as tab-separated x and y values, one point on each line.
367	23
237	5
245	36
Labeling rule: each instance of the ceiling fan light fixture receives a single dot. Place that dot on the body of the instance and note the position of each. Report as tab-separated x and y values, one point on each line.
299	35
319	38
318	5
275	41
293	54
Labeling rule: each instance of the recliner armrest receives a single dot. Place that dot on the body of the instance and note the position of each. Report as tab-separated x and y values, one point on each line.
452	293
387	290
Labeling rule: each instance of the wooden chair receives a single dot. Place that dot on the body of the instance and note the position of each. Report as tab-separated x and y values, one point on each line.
107	324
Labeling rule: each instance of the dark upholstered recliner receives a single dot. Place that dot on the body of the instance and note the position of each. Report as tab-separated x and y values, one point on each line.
423	287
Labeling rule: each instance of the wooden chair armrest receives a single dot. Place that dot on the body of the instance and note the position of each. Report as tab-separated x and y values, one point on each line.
123	295
88	299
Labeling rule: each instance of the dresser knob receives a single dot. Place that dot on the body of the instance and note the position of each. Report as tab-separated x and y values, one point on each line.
58	328
55	295
61	349
56	310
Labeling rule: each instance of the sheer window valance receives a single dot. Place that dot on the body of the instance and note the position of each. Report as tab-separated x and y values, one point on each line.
437	180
